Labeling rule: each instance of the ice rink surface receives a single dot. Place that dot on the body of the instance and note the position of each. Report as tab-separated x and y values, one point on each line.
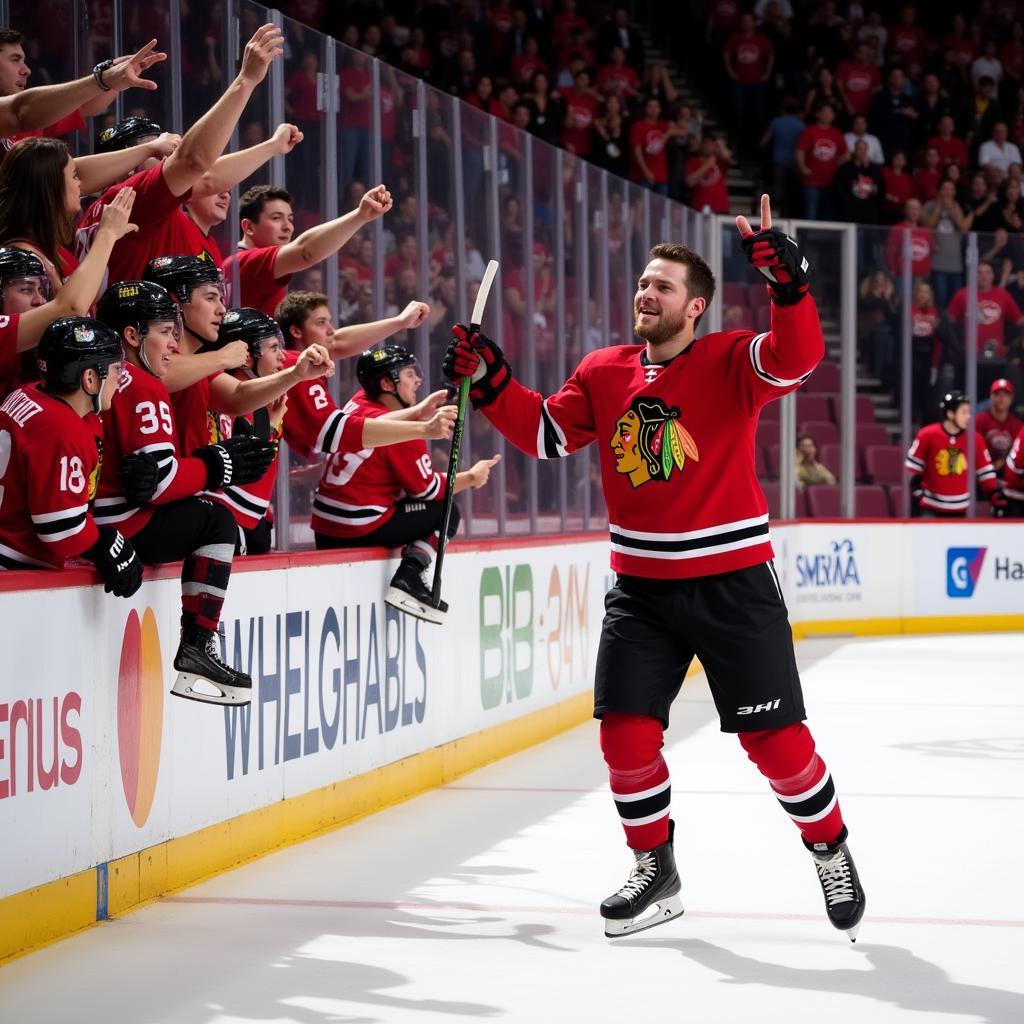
478	902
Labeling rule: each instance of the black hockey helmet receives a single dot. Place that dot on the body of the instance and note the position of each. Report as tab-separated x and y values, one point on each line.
951	401
18	263
180	274
252	326
377	363
129	132
136	304
73	344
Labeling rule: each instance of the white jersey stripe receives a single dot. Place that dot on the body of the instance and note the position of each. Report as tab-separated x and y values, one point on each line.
622	798
710	531
711	549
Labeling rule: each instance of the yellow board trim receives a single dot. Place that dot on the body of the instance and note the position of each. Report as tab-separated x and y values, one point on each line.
60	908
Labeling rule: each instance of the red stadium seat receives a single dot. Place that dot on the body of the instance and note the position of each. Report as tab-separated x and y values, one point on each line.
767	434
871	502
884	463
829	457
863	410
825	378
823	431
771	493
869	434
761	467
772	451
812	407
770	413
823	502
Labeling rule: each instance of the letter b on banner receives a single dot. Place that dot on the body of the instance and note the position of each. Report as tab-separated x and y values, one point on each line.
506	634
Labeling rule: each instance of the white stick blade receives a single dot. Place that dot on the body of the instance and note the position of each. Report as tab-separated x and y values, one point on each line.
485	290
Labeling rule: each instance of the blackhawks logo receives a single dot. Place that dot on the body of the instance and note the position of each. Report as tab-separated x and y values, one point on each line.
950	462
650	443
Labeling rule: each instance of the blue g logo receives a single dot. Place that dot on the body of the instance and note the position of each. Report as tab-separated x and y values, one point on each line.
963	567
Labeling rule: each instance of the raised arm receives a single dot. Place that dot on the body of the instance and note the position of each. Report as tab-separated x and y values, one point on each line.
100	170
232	168
41	106
187	369
316	244
351	340
237	397
204	142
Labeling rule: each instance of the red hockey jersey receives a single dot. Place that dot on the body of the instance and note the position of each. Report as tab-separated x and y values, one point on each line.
196	424
1013	470
165	229
359	488
10	357
940	458
49	465
257	285
141	419
675	441
312	423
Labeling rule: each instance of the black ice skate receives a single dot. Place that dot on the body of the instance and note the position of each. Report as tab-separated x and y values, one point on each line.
203	676
408	593
650	895
844	897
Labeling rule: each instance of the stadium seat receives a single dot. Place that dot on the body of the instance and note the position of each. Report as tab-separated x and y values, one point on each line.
771	493
823	502
871	502
863	410
870	434
772	453
884	463
825	378
761	466
812	407
829	457
823	431
758	297
770	413
767	434
762	318
734	294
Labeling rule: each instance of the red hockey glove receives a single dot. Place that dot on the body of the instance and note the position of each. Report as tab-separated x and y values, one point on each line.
999	502
477	357
776	256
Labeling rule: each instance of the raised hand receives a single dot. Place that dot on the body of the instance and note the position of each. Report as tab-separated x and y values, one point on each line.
775	256
286	138
414	314
117	212
374	204
164	144
442	423
266	45
315	361
425	409
126	72
474	355
480	472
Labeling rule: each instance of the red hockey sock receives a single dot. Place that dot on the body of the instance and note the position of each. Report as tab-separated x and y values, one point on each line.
631	745
204	584
799	779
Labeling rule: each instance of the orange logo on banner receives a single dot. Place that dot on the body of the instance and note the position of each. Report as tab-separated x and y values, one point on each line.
140	713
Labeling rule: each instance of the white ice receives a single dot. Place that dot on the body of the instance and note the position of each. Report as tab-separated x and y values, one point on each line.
478	902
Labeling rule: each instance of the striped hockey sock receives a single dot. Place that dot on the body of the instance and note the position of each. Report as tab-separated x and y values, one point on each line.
204	584
799	779
639	777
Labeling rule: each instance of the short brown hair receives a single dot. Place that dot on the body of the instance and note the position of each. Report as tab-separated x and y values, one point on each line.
250	206
11	37
700	281
294	309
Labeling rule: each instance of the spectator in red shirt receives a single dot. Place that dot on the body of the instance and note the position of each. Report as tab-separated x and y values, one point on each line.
858	80
997	424
647	140
928	176
820	150
568	23
951	149
482	97
705	175
926	350
356	101
899	186
922	242
617	77
907	40
996	307
526	64
960	43
749	57
581	106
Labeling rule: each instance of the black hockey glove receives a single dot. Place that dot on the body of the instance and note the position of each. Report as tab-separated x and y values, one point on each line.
238	460
139	475
916	493
999	502
117	562
775	255
474	355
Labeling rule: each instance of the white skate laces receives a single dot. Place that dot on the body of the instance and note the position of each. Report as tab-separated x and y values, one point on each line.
640	877
834	873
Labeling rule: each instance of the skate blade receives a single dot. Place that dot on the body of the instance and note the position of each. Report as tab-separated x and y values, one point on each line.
404	603
660	912
193	687
851	933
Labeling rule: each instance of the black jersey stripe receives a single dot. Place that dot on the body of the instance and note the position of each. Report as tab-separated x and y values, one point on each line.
631	810
330	435
813	805
692	544
553	443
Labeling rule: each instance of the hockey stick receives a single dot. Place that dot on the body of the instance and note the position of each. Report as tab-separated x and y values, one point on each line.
460	422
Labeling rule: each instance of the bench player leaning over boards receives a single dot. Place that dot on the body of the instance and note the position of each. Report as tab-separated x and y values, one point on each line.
674	420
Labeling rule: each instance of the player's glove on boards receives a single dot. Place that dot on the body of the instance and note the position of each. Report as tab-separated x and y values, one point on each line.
238	460
139	475
999	502
117	562
474	355
775	255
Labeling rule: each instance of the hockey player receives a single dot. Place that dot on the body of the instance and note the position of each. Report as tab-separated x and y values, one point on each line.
50	438
1013	478
937	462
148	486
268	256
674	420
199	388
390	497
308	417
27	306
